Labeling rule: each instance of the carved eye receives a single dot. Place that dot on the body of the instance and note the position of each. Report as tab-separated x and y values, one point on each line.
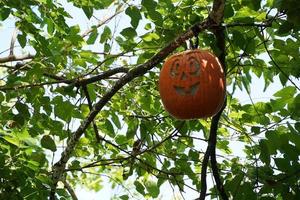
194	66
175	68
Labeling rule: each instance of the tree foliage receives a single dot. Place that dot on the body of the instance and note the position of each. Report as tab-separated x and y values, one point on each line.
80	102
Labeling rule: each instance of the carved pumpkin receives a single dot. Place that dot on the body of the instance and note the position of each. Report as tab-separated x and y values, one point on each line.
192	84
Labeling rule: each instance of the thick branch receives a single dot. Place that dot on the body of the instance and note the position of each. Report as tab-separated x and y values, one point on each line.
220	39
16	58
204	171
213	160
218	11
61	79
102	76
217	17
70	190
12	42
140	70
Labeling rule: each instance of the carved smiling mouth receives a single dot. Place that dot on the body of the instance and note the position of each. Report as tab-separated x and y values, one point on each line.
192	90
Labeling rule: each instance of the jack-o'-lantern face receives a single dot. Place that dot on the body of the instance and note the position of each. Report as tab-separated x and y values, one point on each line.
185	75
192	84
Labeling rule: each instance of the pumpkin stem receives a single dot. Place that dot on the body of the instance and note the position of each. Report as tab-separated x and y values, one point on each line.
196	44
197	41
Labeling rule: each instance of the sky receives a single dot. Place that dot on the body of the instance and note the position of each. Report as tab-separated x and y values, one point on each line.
257	94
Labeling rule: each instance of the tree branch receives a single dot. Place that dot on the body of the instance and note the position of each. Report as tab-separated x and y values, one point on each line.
140	70
12	42
86	93
17	87
217	17
101	23
204	171
70	190
16	58
279	68
220	40
266	23
104	75
60	79
213	160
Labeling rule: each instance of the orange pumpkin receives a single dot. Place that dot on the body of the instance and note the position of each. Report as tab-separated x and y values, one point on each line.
192	84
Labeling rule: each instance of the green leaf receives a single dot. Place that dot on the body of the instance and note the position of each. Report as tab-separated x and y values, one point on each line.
4	13
149	4
283	79
129	32
193	155
106	35
255	129
121	139
65	110
88	11
148	37
156	17
22	40
273	142
1	97
228	11
287	92
139	187
264	155
134	13
238	39
13	140
282	164
23	109
285	28
294	136
85	110
250	46
93	36
124	197
48	143
152	188
50	26
116	120
108	128
132	129
231	185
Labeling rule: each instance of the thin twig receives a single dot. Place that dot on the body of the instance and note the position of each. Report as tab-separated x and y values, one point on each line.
12	42
70	190
101	23
267	23
17	87
86	93
279	68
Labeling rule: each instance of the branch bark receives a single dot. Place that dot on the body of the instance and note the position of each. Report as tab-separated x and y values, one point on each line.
213	160
86	93
60	79
140	70
70	190
16	58
217	17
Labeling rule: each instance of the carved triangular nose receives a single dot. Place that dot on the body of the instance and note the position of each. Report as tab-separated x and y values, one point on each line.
183	76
